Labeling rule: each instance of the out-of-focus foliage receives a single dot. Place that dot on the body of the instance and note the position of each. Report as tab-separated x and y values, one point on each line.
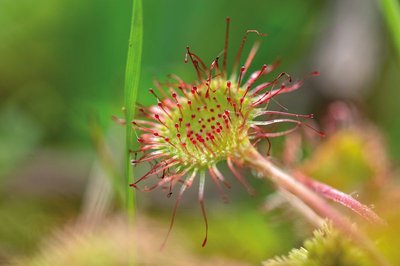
15	143
61	61
62	69
387	240
342	161
241	233
84	246
109	242
35	221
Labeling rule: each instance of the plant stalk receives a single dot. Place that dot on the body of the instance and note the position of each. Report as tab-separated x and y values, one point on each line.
132	77
288	183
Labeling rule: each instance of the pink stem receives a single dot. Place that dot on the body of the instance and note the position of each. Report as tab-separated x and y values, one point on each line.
340	197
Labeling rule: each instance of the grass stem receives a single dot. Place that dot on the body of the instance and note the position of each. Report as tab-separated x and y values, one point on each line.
132	78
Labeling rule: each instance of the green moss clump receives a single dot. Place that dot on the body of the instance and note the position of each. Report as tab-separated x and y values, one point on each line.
326	248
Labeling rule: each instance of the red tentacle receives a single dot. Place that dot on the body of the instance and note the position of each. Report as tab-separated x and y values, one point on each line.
240	178
186	185
201	201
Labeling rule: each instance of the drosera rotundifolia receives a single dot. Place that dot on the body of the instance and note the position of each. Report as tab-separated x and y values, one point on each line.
220	118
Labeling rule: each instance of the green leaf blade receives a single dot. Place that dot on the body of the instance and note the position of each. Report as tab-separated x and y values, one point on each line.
132	78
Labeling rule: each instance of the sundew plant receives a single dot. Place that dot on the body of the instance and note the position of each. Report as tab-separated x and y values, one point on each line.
175	132
194	127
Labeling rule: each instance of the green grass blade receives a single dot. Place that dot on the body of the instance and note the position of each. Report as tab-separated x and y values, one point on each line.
132	77
391	11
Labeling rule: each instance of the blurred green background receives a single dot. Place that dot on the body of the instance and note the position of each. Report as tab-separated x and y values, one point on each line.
61	79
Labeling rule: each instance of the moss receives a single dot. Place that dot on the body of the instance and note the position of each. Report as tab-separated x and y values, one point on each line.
326	248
